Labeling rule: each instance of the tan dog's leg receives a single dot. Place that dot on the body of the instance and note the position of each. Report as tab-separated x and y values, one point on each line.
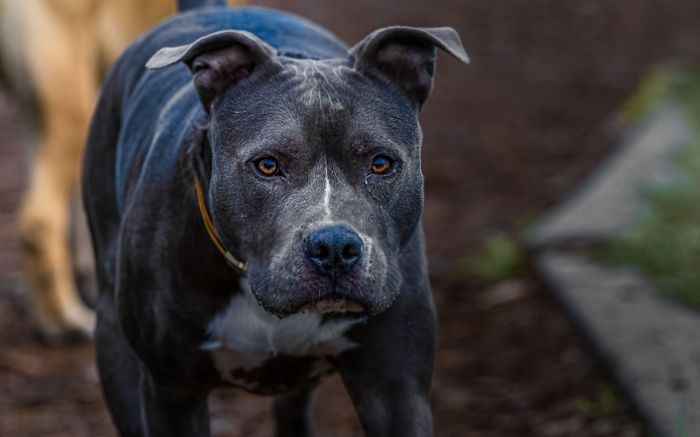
66	42
62	64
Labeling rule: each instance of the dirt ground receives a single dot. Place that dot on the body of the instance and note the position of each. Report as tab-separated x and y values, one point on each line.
504	139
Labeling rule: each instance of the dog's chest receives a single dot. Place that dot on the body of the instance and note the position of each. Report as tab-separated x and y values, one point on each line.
262	353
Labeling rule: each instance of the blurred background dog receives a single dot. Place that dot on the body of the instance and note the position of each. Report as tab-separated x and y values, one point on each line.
58	51
545	99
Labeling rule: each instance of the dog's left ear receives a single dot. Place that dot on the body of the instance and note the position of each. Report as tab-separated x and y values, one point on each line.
217	61
406	56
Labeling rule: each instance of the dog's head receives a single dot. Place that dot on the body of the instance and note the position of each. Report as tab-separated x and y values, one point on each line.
312	167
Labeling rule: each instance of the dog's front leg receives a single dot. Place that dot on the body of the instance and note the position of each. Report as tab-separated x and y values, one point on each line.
390	407
388	375
171	412
293	413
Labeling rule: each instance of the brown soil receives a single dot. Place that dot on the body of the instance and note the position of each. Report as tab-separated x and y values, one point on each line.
504	139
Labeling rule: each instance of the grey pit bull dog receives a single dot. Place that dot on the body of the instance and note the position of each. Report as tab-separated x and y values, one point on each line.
254	193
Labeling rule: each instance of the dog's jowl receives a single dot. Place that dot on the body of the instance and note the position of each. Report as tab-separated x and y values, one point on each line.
254	192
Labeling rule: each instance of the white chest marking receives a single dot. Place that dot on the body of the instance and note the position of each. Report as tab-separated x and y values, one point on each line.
245	335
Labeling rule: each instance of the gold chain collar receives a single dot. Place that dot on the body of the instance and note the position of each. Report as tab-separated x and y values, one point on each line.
232	261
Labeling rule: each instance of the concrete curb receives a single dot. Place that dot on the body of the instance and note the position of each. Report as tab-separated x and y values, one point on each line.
650	342
608	201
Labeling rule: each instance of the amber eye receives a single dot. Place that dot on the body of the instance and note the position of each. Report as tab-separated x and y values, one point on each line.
267	166
381	165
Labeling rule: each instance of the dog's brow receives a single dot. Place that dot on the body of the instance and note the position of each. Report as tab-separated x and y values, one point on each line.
362	144
318	83
284	147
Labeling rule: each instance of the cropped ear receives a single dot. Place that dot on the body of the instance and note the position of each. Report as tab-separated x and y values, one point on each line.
406	56
217	61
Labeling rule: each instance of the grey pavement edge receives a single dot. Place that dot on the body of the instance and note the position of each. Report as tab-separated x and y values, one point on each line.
650	342
608	201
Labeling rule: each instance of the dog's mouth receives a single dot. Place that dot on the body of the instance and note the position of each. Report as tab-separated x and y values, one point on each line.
333	304
317	295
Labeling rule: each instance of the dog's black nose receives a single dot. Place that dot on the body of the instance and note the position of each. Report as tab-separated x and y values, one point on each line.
334	249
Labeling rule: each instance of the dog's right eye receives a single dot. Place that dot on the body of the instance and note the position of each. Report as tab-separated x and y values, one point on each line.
267	166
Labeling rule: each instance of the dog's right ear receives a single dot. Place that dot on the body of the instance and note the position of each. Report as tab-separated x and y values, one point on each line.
217	61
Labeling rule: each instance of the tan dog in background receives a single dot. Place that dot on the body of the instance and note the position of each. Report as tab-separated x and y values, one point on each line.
53	54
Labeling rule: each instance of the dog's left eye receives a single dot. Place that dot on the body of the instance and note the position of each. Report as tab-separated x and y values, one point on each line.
267	166
381	164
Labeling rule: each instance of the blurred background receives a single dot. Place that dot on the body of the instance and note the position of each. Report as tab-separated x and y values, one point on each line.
505	139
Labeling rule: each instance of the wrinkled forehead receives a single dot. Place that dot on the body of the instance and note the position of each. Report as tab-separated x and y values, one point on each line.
324	101
322	85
